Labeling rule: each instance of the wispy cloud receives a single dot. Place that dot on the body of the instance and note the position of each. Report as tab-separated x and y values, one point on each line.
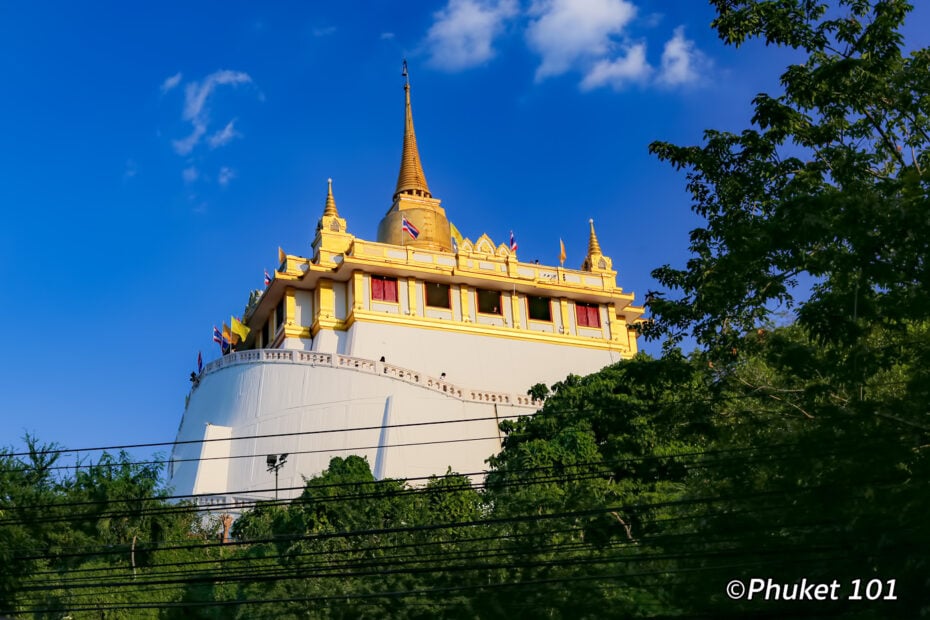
171	82
190	174
224	135
619	72
464	31
386	36
324	31
566	33
186	145
131	170
225	175
196	96
197	93
681	61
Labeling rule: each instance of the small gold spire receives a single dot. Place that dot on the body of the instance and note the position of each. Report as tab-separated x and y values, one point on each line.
330	209
593	246
410	179
595	260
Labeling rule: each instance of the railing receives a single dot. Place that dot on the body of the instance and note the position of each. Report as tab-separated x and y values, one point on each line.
359	364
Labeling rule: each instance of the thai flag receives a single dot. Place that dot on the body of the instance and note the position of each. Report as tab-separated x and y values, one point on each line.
513	243
217	336
199	362
409	228
267	278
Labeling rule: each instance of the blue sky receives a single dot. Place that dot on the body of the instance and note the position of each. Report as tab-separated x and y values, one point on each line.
154	157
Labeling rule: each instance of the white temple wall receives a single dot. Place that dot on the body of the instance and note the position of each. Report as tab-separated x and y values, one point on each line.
493	363
261	398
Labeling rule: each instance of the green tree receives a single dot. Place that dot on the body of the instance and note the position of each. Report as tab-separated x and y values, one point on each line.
830	183
583	486
829	187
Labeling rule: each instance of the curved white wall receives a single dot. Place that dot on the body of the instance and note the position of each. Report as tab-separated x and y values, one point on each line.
303	395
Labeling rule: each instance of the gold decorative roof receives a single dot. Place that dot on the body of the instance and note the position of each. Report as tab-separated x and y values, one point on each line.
410	179
427	226
330	210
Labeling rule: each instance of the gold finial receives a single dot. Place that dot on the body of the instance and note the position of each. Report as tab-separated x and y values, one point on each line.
593	246
330	209
411	179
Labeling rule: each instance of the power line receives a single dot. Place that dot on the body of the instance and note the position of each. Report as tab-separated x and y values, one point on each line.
263	436
635	507
777	453
543	410
78	466
396	593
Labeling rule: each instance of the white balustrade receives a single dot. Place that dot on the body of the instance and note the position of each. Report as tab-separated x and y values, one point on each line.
358	364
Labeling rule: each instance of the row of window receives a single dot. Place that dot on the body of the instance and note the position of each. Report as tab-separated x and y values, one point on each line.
384	288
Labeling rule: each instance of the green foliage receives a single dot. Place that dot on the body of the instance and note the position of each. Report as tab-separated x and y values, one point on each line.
103	524
831	183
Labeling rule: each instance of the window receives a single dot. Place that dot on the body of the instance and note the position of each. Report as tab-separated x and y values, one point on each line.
266	334
539	307
489	302
588	314
279	315
383	288
437	295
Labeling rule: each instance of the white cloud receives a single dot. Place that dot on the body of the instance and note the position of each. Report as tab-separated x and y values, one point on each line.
171	82
386	36
131	170
225	176
567	32
224	135
680	60
619	72
196	95
186	145
464	30
190	174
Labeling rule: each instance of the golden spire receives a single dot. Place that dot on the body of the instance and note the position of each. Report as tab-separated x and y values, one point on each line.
413	201
595	260
593	246
410	179
330	209
332	236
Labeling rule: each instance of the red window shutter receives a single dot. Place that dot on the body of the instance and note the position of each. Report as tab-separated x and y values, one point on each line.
588	315
377	288
390	289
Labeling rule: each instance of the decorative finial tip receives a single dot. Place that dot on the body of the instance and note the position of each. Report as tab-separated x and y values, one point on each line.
591	221
329	180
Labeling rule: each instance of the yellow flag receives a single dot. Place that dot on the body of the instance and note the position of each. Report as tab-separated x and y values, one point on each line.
561	252
239	328
282	257
456	234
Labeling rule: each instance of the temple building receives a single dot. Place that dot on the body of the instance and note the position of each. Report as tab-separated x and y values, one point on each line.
408	350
